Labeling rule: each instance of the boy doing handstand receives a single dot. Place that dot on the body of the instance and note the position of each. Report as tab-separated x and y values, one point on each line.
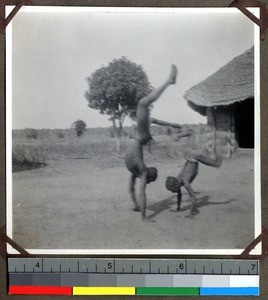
134	153
190	170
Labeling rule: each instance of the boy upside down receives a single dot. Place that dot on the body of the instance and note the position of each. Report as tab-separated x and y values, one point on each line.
190	170
134	153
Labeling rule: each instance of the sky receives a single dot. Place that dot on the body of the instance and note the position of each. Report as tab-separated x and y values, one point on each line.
54	52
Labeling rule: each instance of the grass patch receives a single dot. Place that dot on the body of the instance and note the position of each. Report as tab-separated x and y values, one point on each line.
98	146
28	156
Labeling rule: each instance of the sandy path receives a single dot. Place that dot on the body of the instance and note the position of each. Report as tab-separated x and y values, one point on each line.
74	204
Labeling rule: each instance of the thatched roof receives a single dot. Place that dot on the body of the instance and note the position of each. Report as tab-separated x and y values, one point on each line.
232	83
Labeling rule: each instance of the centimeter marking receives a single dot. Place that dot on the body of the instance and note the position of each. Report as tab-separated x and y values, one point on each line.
133	266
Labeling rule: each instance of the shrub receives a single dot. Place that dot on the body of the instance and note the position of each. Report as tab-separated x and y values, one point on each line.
60	135
28	156
31	133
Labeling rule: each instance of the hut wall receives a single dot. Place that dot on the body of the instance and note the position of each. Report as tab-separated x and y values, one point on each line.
208	139
221	121
237	121
222	118
210	117
226	143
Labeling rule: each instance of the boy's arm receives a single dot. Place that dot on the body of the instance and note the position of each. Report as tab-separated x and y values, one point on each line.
164	123
143	194
188	187
132	191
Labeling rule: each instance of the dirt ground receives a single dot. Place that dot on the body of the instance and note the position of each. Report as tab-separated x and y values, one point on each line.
74	204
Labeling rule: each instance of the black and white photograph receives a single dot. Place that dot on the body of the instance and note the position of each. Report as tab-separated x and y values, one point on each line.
133	130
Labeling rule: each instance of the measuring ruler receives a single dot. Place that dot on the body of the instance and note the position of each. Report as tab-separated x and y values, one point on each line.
96	276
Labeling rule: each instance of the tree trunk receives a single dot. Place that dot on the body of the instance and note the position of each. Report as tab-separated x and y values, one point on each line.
118	144
117	132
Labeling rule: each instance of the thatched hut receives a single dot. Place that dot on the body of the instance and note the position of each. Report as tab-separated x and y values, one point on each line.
227	99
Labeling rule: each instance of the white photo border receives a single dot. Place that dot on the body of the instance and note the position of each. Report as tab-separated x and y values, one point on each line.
257	150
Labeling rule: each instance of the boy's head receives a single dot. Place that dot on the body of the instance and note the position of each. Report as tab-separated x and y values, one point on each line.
173	184
151	174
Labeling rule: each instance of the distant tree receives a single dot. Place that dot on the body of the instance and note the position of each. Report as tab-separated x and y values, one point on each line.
79	127
116	89
31	133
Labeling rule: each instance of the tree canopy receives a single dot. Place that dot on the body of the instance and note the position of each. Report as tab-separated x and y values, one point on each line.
79	126
116	89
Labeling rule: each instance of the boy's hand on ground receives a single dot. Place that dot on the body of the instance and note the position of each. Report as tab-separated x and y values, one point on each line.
194	211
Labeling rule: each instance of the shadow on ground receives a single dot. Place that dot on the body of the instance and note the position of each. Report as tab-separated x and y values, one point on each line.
165	204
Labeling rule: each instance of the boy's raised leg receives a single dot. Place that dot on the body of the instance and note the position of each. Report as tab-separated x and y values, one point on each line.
155	94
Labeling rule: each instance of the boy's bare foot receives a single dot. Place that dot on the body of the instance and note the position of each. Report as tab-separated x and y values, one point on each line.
173	74
137	208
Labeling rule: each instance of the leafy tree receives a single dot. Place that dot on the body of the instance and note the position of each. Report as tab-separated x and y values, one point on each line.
116	89
79	126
